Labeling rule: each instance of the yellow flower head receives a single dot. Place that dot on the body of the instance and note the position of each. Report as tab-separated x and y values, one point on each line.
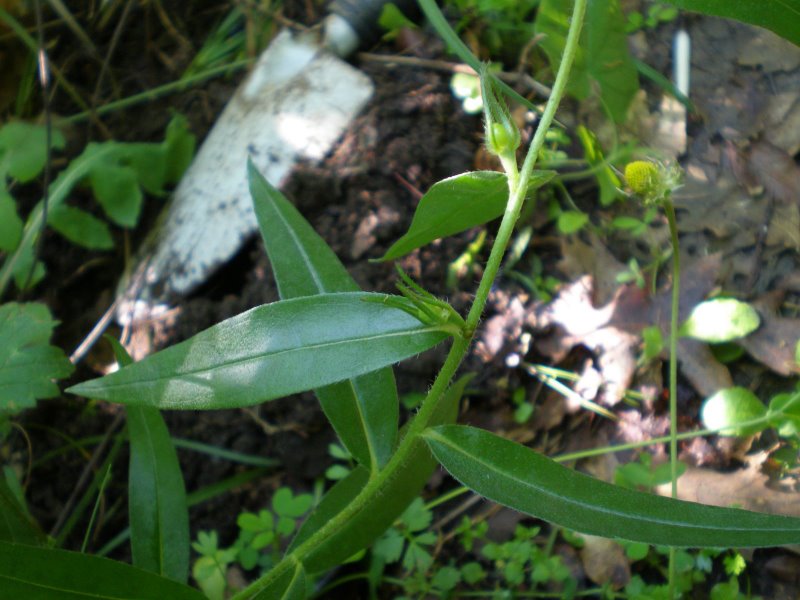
651	181
642	176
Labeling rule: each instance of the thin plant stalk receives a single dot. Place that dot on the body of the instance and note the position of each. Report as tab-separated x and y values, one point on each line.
669	209
518	186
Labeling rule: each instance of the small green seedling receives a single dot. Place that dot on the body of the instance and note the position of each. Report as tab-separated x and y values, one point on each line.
261	538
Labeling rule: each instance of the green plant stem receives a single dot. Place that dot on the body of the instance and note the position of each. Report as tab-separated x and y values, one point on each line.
518	186
669	209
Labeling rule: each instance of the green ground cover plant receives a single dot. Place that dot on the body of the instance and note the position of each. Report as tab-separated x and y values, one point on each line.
328	336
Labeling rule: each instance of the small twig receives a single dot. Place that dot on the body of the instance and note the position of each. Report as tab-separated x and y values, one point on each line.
94	334
450	67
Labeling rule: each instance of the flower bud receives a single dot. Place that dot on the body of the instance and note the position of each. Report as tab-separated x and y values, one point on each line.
653	182
502	134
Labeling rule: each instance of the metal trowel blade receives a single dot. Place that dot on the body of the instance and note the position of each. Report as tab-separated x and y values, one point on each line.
293	106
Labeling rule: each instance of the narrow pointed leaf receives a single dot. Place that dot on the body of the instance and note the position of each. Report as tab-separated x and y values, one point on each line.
16	524
513	475
364	411
159	515
157	505
80	227
32	573
269	352
398	491
456	204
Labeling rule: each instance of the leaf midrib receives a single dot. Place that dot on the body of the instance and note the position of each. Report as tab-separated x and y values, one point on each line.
262	355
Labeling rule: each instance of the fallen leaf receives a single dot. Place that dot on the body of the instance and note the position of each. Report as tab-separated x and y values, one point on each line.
784	227
605	562
770	52
782	120
776	171
774	343
746	488
613	331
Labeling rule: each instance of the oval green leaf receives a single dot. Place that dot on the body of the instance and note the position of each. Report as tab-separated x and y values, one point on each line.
721	320
364	411
571	221
731	411
780	16
80	227
31	572
269	352
518	477
456	204
784	413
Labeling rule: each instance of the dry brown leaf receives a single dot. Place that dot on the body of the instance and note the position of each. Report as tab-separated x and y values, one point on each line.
774	342
782	121
605	562
770	52
579	258
784	227
776	171
746	488
613	331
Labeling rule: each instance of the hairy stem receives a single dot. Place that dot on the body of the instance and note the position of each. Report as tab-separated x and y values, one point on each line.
669	209
518	186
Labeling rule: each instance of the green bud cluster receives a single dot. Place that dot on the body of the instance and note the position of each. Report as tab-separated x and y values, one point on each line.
502	134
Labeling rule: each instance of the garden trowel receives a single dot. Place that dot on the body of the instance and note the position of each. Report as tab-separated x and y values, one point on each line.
293	106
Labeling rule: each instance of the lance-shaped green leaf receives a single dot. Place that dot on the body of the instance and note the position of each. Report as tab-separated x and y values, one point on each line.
398	489
31	572
159	515
456	204
518	477
271	351
780	16
363	411
157	506
16	525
